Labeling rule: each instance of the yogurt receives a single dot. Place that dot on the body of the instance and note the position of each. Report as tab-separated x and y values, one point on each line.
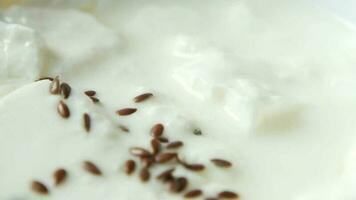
268	87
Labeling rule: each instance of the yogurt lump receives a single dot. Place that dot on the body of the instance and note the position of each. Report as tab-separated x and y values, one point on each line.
270	85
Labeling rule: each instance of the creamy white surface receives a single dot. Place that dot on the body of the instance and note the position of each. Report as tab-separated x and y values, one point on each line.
272	86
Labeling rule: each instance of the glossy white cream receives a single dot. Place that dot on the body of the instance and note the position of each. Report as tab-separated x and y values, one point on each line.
271	86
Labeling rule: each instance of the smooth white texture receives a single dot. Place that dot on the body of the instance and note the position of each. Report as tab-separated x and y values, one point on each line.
271	85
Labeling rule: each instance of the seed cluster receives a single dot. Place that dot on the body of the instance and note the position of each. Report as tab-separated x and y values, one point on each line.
161	152
64	89
166	152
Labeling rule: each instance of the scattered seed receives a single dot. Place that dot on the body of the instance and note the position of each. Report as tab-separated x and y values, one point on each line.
124	128
130	166
45	78
94	99
197	131
147	162
63	110
163	139
228	195
90	93
221	163
142	97
145	174
157	130
193	194
166	175
59	176
194	167
87	122
91	168
65	90
54	87
156	146
165	157
39	187
178	185
140	152
175	145
126	111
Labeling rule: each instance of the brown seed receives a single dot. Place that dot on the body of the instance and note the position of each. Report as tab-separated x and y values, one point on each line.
142	97
163	139
124	128
87	122
228	195
130	166
54	87
193	194
39	187
221	163
157	130
147	162
211	198
166	175
94	99
63	109
45	78
175	145
65	90
194	167
126	111
91	168
90	93
145	174
59	176
165	157
140	152
156	146
178	185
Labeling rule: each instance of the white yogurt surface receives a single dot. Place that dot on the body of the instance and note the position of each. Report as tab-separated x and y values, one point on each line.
270	84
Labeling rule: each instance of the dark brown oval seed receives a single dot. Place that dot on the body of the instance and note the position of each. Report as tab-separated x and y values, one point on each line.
94	99
147	162
59	176
165	157
63	109
221	163
87	122
142	97
124	128
145	174
45	78
126	111
175	145
157	130
166	175
178	185
193	194
91	168
156	146
65	90
130	166
39	187
90	93
163	139
194	167
54	87
140	152
228	195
